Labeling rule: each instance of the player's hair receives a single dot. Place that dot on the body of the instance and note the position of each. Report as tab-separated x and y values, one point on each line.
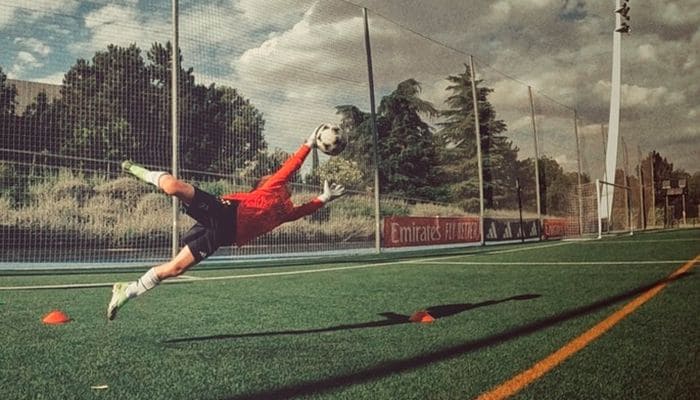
264	179
260	181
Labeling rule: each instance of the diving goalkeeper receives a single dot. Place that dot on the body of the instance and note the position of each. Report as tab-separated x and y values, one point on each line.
235	218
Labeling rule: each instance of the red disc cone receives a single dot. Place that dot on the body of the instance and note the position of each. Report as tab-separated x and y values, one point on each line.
56	317
421	316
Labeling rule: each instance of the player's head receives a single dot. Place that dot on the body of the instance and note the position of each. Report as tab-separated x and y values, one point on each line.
260	182
264	179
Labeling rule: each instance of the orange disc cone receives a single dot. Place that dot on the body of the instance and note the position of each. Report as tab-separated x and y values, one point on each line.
56	317
421	316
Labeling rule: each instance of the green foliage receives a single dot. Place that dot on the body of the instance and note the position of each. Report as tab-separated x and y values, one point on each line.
12	186
118	107
342	171
457	138
8	96
407	155
218	187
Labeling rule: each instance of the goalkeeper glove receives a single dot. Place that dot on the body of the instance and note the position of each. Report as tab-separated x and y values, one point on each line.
311	141
331	192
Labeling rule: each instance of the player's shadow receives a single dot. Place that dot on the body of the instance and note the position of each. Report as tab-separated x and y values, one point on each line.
390	318
385	369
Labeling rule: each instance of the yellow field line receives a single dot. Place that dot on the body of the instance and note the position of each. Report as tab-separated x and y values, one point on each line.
518	382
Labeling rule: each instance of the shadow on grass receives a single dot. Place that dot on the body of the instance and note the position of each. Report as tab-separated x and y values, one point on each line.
390	318
398	366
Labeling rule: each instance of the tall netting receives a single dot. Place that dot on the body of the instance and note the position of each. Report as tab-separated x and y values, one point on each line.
649	219
251	99
624	213
559	162
591	140
508	152
62	198
413	79
254	80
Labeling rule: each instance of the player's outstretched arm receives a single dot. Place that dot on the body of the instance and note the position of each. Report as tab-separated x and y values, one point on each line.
292	164
330	192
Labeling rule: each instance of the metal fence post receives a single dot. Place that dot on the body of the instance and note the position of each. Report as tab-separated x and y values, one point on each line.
578	162
537	160
477	131
175	119
375	141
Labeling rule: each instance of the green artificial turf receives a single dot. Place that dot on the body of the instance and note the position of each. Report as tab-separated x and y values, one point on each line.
344	333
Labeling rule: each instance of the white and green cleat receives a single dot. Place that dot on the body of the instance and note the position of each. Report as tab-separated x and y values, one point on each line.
135	169
119	298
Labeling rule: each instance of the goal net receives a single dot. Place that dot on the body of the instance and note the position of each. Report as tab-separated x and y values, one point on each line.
615	216
590	215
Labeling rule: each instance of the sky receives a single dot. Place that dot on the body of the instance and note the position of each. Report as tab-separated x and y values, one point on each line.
298	59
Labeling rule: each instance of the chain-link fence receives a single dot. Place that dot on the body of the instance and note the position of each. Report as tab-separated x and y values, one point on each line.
251	86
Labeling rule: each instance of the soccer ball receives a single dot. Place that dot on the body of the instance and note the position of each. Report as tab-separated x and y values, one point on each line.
330	139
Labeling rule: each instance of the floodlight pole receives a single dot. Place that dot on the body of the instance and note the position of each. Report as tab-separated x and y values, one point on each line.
175	119
614	119
375	141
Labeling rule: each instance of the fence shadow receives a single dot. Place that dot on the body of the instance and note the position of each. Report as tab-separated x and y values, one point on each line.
398	366
390	318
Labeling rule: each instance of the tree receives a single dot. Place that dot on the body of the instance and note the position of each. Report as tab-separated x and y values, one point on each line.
8	96
119	107
694	195
105	107
341	171
407	155
8	120
556	187
459	152
39	131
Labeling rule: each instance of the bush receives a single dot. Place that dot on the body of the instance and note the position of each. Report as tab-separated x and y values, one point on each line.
433	210
125	189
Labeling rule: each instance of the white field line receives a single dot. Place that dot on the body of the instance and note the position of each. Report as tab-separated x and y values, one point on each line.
285	273
556	262
612	241
189	277
518	249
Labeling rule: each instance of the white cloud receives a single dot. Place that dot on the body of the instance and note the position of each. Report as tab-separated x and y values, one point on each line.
642	97
24	62
33	45
673	13
36	9
51	6
6	17
121	25
647	52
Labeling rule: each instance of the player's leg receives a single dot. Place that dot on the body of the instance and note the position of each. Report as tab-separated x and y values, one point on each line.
124	291
162	180
175	187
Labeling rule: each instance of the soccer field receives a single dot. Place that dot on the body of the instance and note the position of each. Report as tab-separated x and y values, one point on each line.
589	319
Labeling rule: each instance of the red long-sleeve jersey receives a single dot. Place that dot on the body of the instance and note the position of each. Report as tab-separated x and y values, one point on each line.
269	205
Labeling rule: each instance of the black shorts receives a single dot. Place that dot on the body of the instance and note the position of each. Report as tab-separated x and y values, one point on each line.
215	227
